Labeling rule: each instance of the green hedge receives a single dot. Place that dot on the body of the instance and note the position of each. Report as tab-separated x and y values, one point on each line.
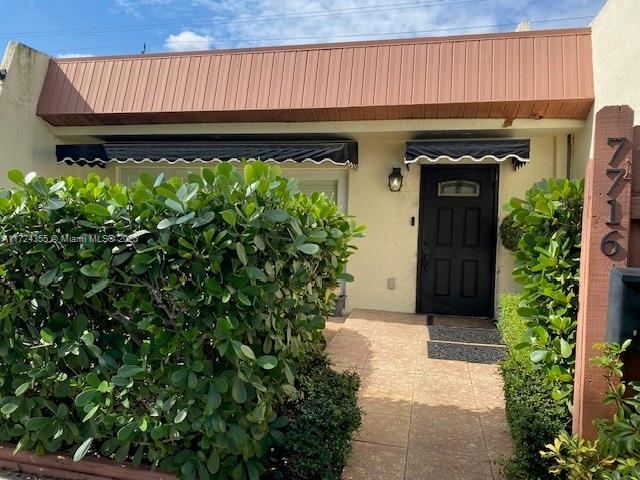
534	417
162	323
547	266
322	421
512	327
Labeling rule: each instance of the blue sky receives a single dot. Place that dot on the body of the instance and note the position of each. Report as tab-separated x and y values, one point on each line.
107	27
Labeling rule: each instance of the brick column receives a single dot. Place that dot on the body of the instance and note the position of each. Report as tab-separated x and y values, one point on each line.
605	236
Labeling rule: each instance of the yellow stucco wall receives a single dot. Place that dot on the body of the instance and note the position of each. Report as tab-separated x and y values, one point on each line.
615	39
26	142
391	246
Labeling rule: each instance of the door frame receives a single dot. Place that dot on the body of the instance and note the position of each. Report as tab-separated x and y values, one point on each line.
421	219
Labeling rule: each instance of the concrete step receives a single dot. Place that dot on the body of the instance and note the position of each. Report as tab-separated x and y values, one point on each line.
458	321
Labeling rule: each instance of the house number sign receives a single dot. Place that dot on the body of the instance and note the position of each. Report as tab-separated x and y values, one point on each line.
618	173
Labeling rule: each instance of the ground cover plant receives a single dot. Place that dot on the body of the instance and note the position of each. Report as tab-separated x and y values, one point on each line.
162	323
615	455
534	417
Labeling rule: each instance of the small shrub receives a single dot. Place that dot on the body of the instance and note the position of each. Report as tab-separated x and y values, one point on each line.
162	323
534	417
547	266
322	421
615	455
511	325
510	233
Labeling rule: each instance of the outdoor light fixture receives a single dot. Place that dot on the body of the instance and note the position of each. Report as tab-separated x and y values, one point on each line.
395	179
3	73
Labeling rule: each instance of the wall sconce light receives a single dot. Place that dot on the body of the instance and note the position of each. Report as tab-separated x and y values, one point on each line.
395	179
3	73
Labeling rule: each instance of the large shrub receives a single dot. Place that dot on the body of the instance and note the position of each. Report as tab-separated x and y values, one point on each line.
547	266
534	417
322	421
162	323
615	455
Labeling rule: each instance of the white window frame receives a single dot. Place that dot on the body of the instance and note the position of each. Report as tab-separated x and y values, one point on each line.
322	173
301	173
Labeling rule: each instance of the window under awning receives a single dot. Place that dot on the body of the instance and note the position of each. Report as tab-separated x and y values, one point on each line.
298	151
496	150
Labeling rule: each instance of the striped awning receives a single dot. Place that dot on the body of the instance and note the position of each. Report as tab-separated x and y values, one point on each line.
299	151
493	150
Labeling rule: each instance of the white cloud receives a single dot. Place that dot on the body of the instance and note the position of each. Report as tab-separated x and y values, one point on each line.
132	6
248	23
74	55
188	40
271	22
319	21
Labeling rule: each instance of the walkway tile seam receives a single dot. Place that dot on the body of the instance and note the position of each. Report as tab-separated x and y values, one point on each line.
381	444
440	451
484	436
413	393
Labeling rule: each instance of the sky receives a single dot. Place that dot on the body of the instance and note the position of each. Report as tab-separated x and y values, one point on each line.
65	28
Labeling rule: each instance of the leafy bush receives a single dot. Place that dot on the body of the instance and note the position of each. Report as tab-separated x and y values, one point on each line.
510	233
534	417
547	266
322	421
615	455
511	326
162	323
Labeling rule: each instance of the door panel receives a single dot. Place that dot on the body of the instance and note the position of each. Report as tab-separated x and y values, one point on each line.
457	240
472	227
442	287
444	224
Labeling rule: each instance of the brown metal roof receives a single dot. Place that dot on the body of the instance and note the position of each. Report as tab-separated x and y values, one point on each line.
508	75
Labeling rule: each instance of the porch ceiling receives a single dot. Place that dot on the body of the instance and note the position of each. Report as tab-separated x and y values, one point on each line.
543	74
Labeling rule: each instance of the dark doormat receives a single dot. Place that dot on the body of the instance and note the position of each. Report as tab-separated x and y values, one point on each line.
488	336
457	321
465	352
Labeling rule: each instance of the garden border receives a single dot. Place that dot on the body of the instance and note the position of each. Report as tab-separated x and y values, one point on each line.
63	467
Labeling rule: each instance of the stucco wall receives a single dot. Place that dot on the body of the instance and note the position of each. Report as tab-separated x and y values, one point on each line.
615	38
26	142
390	249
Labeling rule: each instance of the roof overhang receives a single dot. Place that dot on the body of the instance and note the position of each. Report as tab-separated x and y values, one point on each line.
514	75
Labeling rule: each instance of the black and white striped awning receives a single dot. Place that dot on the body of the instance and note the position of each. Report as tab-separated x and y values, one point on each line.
494	150
297	151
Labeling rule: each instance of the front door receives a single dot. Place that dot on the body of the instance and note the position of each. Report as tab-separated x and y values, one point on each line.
456	265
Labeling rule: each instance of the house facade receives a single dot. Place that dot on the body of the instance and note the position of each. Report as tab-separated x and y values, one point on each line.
467	122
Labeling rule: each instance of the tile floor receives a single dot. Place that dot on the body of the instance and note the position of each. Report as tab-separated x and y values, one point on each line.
424	418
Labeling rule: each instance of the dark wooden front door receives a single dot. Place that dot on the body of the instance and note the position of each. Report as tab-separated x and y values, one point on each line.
456	265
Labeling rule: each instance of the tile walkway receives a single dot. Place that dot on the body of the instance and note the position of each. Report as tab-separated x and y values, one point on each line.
423	418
